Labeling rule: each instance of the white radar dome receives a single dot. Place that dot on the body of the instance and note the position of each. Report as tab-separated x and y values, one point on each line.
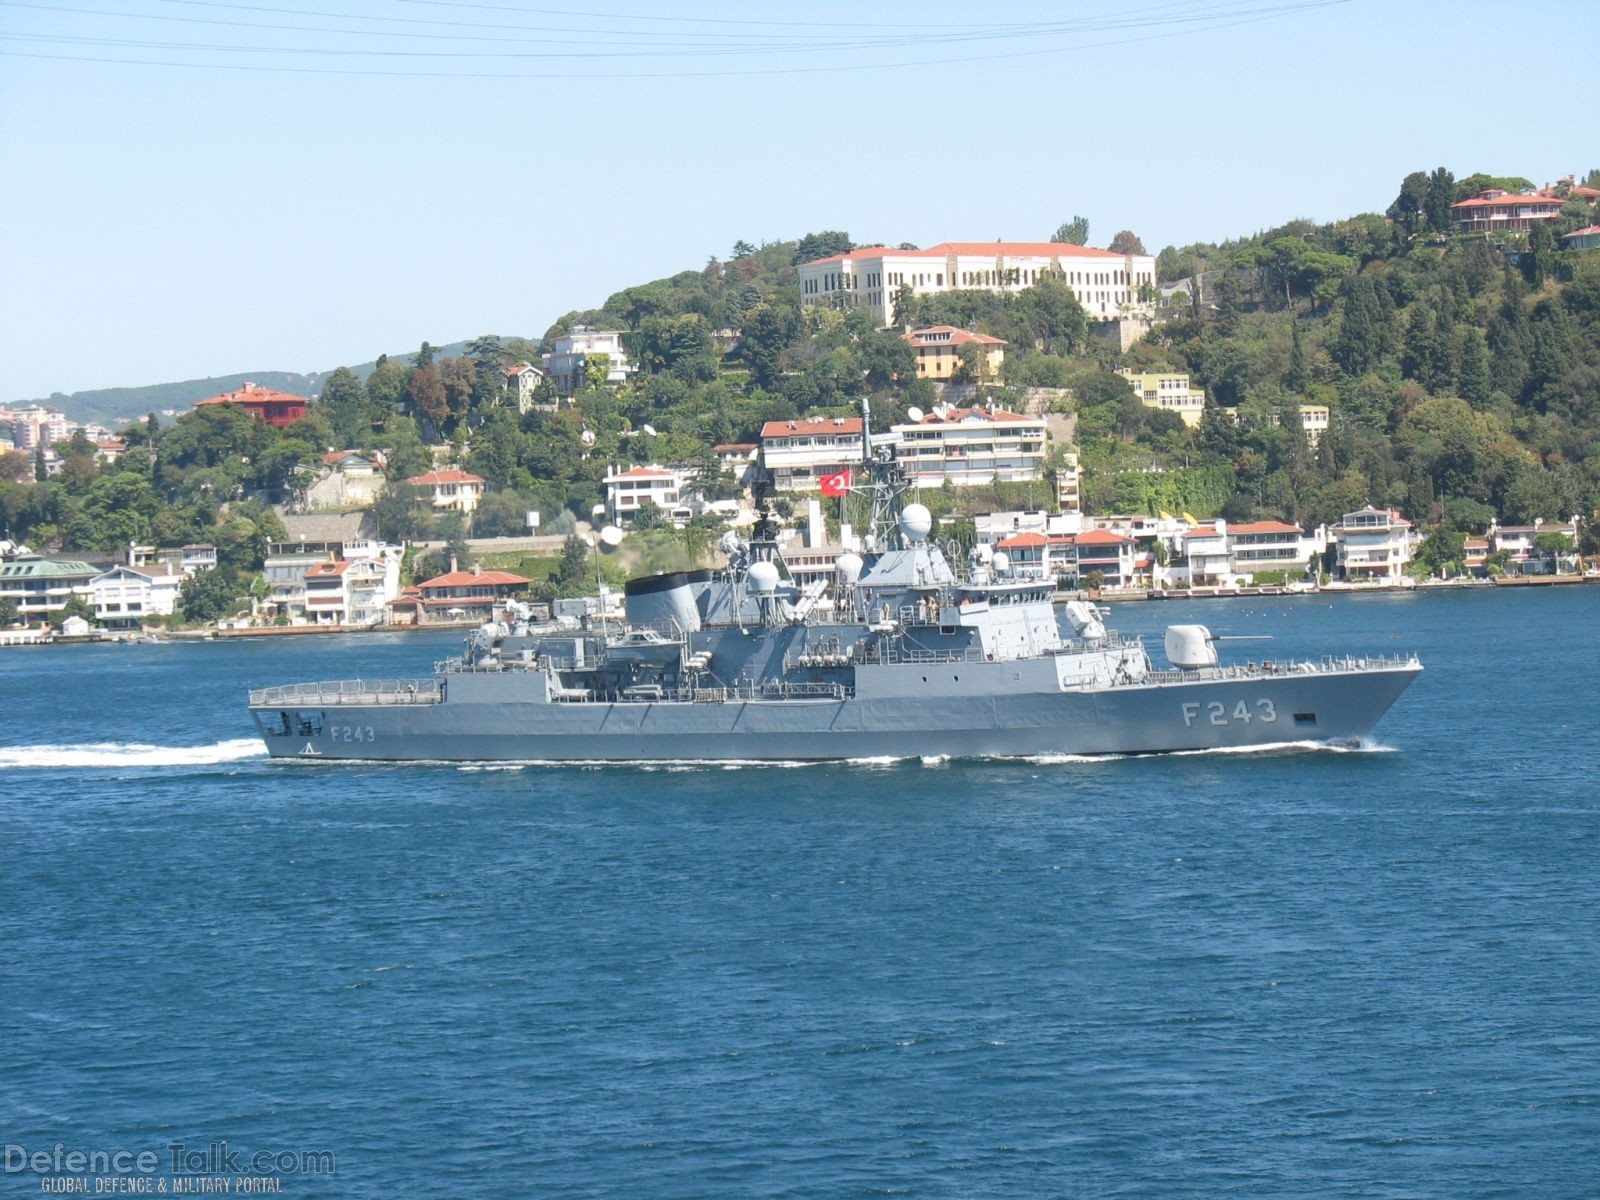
763	577
611	535
915	522
587	437
849	567
1002	562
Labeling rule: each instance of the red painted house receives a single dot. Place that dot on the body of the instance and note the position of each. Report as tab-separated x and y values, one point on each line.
275	408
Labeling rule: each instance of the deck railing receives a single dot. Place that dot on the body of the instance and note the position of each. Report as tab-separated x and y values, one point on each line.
348	691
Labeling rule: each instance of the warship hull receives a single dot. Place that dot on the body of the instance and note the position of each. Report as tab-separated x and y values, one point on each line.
1000	709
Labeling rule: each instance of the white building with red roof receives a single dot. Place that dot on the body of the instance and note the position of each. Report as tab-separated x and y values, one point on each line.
627	490
970	446
939	352
1107	284
799	453
450	489
521	384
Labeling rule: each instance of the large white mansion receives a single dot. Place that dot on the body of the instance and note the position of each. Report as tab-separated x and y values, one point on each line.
1106	283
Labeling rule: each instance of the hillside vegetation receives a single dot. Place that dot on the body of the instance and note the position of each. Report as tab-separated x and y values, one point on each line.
1463	381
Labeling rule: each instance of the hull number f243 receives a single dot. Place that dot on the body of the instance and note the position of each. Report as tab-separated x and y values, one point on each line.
351	733
1215	712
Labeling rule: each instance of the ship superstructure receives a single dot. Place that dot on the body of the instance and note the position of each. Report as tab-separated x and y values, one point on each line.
900	654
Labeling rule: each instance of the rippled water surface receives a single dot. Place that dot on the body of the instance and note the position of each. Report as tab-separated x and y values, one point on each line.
1297	972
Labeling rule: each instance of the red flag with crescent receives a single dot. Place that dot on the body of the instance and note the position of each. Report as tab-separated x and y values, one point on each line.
836	484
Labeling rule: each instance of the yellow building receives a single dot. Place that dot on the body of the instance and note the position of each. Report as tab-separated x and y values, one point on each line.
1168	391
938	349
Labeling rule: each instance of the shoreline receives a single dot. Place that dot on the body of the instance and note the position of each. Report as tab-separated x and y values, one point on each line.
20	637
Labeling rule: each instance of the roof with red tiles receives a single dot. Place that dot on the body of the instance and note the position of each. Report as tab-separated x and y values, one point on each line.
958	415
1024	539
1100	537
327	570
251	394
1587	229
465	578
807	428
956	337
433	478
642	473
1263	527
1508	198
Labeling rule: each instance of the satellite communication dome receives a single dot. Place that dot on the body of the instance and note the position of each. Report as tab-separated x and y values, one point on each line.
848	566
915	522
612	536
599	510
763	577
1002	562
915	413
587	437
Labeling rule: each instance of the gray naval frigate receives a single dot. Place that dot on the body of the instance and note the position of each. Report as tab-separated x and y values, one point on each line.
898	655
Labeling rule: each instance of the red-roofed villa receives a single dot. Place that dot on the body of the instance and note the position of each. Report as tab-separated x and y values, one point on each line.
277	409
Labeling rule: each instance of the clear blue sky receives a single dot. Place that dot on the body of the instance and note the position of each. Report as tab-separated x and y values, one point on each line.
484	167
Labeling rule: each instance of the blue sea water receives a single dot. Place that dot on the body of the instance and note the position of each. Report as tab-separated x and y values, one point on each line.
1297	973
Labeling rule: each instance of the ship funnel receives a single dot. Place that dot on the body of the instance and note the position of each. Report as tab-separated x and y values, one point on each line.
662	602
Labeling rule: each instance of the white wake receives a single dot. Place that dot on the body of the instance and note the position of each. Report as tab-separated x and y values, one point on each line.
130	754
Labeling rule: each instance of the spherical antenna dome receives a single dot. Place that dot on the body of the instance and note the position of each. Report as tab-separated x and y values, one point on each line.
916	522
1002	562
612	536
848	566
763	577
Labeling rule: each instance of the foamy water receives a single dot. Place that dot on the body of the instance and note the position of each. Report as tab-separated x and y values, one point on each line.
131	754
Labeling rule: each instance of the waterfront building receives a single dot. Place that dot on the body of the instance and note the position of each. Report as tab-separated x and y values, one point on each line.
125	595
1167	391
466	595
1107	284
939	352
40	586
969	446
568	362
627	490
1374	545
1520	544
278	409
450	489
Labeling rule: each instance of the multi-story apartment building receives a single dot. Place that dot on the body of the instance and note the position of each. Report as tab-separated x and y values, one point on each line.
1314	419
569	361
939	352
33	426
968	446
1107	284
1374	545
1168	391
1069	483
798	453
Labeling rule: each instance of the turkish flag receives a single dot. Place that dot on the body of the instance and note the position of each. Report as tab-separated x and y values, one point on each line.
836	484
